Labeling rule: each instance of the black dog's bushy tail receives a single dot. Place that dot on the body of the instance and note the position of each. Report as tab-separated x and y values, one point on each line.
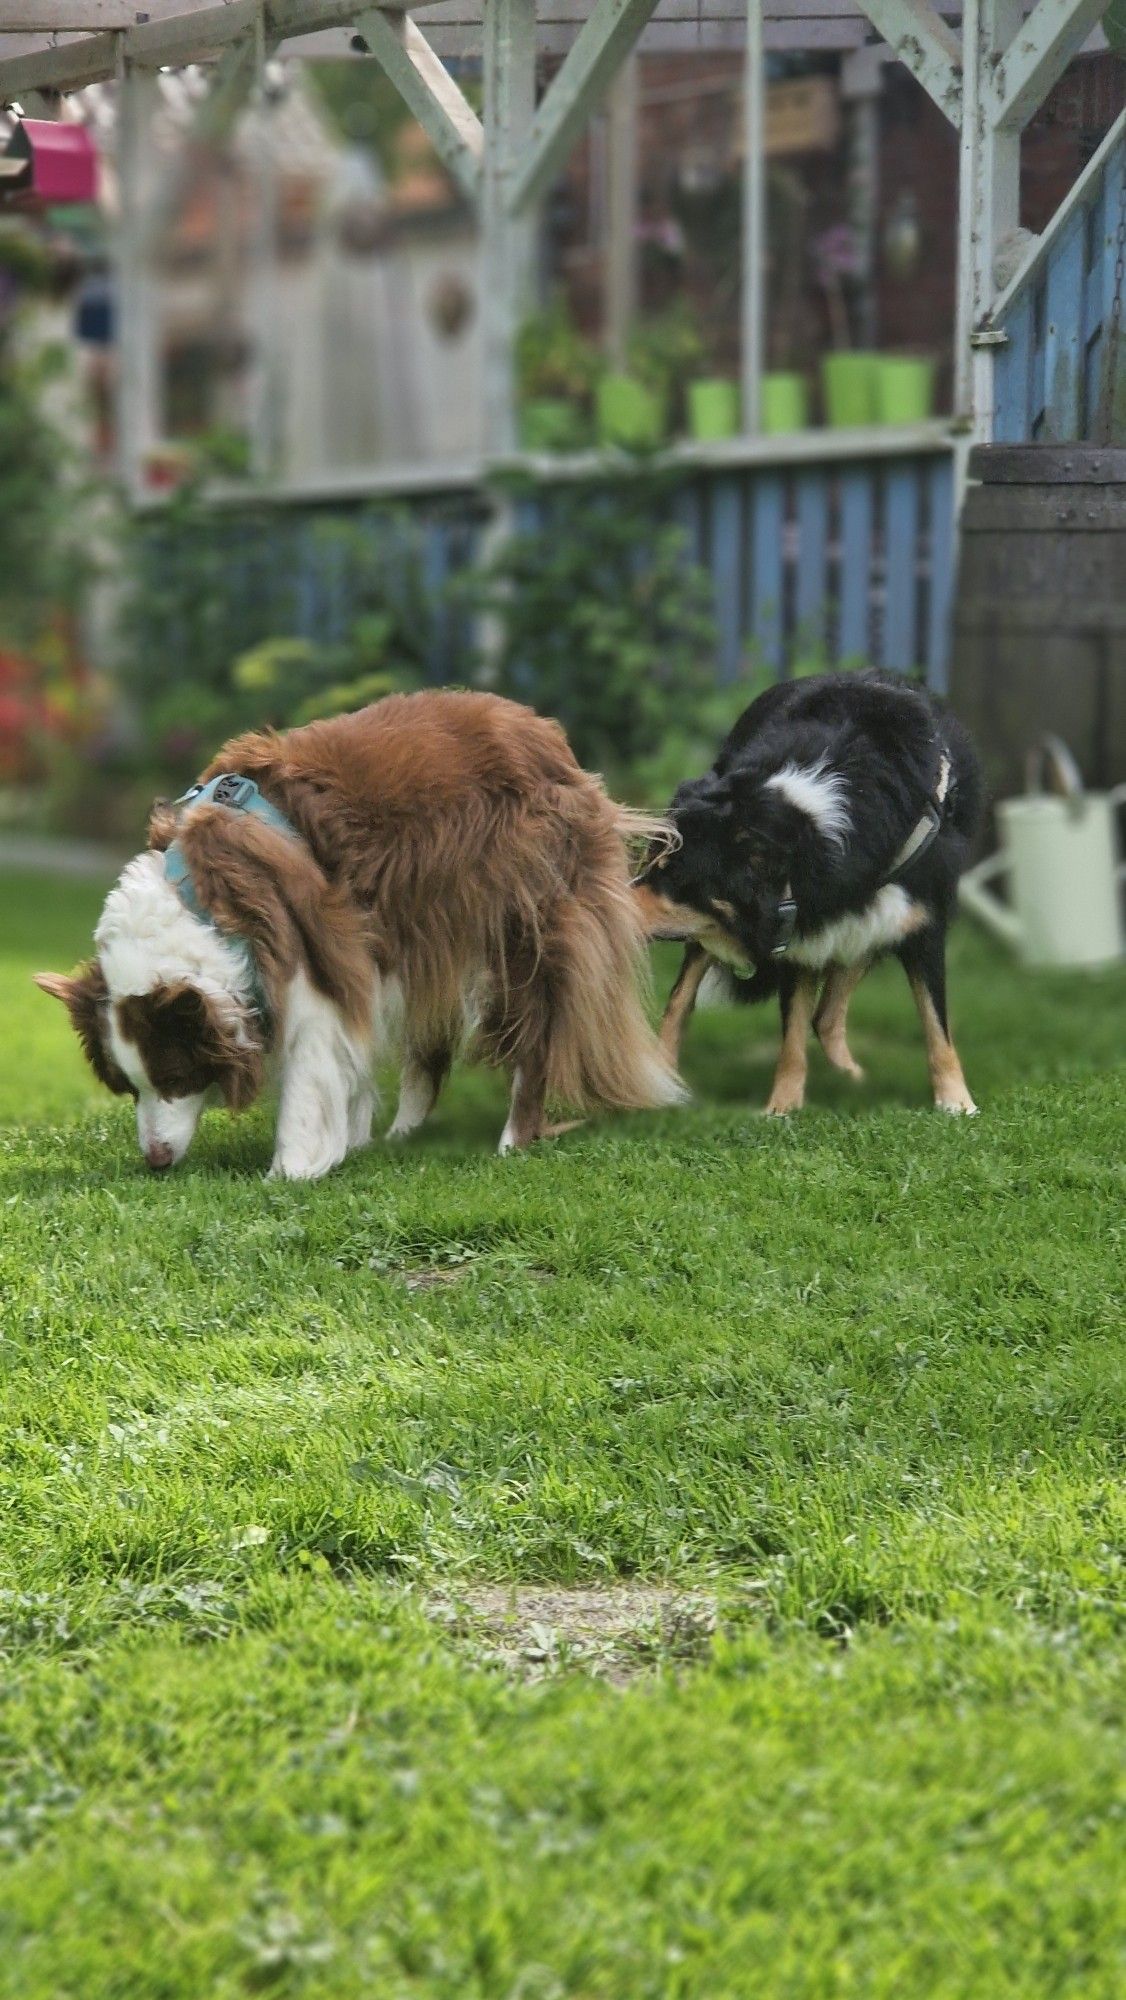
968	803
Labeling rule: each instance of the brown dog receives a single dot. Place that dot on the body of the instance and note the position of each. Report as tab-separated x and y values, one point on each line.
435	867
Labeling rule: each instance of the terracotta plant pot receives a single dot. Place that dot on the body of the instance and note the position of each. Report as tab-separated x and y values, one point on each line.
848	384
785	404
904	389
628	414
713	408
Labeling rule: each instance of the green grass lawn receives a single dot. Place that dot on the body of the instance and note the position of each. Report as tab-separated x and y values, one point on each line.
858	1378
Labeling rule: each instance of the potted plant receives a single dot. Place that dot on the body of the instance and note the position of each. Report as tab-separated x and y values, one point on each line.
713	407
848	374
785	402
556	369
636	406
904	388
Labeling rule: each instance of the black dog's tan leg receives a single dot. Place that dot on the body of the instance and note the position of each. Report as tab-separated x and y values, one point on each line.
682	999
923	958
798	995
830	1020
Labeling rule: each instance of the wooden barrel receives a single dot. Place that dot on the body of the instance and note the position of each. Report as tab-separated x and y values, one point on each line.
1040	611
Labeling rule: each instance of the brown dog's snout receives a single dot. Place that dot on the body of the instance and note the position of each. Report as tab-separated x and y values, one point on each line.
159	1156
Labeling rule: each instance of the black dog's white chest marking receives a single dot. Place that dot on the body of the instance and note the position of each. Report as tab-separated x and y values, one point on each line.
848	940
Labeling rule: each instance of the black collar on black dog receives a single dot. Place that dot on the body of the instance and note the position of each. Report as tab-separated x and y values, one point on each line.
925	830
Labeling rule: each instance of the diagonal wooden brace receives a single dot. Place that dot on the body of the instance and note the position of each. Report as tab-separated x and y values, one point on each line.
602	43
921	40
1037	56
429	91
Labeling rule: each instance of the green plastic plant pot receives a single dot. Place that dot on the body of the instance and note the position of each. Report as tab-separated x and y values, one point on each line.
628	413
848	384
785	404
904	389
713	409
550	423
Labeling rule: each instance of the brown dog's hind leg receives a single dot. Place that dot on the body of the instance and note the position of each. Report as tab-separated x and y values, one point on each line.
831	1019
682	999
798	996
525	1123
923	958
421	1081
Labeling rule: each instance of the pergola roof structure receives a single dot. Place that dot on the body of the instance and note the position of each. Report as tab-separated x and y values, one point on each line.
987	66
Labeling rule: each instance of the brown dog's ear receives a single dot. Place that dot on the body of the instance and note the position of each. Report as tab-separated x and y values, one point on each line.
240	1064
162	825
58	984
85	996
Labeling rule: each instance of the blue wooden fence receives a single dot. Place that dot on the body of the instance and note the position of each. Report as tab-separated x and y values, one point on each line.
1050	377
838	558
844	559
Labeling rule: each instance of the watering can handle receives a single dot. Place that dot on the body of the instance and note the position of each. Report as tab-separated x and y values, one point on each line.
1052	752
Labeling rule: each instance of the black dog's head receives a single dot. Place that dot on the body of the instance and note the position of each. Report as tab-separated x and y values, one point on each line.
743	844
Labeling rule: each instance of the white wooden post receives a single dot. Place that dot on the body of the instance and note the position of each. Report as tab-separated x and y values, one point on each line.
754	220
988	203
621	211
138	420
509	64
265	392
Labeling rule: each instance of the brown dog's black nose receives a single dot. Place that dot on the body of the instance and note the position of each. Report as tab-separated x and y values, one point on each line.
159	1156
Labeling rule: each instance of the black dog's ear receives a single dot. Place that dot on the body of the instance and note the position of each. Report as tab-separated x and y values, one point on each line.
707	798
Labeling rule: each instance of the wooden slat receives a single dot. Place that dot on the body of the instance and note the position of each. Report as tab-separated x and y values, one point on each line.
940	503
767	519
687	512
856	511
727	574
1012	378
813	565
1063	341
900	648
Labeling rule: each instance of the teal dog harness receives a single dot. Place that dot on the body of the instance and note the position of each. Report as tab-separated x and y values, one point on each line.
239	795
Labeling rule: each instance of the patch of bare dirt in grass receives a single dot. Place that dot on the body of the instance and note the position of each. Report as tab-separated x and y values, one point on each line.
613	1631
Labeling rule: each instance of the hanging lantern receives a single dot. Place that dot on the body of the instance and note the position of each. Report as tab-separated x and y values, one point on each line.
49	161
903	239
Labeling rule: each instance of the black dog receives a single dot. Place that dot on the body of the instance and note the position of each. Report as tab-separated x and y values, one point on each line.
831	829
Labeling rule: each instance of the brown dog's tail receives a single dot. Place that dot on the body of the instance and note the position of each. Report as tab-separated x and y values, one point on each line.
602	1049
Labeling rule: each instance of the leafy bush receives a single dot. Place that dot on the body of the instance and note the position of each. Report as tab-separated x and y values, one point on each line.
603	621
248	617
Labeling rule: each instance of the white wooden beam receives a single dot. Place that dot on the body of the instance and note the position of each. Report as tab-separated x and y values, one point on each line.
428	90
988	205
509	77
919	38
56	17
138	392
606	36
195	33
212	122
753	303
622	168
1037	55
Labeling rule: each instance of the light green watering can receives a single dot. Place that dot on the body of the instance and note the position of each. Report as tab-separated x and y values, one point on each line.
1059	851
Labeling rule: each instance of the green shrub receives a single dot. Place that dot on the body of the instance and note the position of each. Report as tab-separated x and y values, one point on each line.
603	622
